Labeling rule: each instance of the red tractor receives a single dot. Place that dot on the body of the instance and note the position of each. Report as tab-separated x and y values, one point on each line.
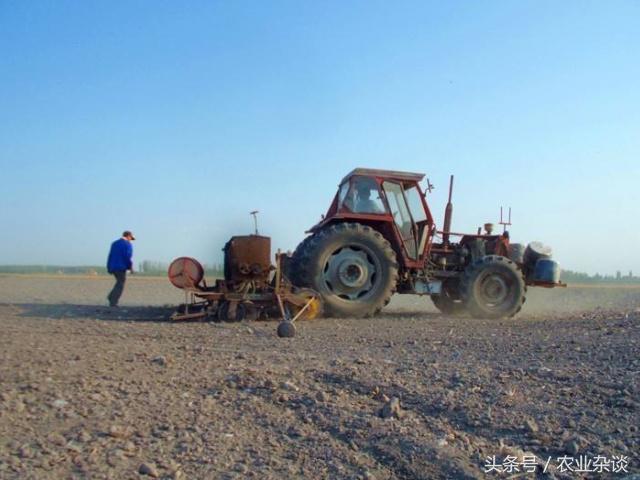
379	238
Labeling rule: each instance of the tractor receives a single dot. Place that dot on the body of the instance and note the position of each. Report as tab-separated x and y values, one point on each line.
379	238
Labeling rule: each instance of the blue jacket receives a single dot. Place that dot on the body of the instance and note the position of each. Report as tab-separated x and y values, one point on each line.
120	256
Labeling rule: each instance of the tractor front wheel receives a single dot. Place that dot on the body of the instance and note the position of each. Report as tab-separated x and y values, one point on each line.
493	287
351	266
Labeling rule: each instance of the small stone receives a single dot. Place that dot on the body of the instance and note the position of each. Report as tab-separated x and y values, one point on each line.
117	431
572	447
391	409
321	396
531	425
129	447
59	403
115	457
26	451
57	439
290	386
630	404
148	469
160	360
74	447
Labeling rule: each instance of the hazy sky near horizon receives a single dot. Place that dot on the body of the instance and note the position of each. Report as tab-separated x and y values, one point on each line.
175	119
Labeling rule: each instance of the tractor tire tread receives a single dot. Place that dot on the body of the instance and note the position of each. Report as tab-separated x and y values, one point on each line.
474	269
307	252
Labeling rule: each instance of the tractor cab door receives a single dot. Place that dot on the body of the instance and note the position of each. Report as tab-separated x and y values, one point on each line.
402	217
419	216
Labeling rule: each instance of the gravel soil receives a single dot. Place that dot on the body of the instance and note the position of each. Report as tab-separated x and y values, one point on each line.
89	392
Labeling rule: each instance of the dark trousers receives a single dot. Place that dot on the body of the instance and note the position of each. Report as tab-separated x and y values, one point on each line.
116	291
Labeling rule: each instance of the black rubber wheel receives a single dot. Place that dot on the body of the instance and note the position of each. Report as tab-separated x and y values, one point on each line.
294	267
223	312
449	301
493	287
351	266
286	329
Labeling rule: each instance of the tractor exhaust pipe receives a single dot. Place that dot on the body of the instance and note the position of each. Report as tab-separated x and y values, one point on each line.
448	212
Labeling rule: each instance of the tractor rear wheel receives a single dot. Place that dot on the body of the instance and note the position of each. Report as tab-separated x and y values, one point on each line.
493	287
352	266
449	301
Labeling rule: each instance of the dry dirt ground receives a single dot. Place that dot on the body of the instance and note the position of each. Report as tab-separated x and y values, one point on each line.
91	393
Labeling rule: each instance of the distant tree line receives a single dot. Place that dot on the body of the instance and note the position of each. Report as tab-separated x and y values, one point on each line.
54	269
570	276
146	267
153	268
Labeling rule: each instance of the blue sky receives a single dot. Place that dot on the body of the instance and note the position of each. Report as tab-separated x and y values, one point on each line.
175	119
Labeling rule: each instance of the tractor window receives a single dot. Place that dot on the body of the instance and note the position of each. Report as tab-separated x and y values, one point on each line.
342	194
364	196
401	217
415	204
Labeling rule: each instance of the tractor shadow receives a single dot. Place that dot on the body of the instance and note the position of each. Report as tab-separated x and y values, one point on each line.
393	314
64	311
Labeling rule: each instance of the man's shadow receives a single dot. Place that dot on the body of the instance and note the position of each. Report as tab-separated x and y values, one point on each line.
63	311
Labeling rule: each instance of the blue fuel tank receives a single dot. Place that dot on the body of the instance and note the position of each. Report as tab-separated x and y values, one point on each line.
547	270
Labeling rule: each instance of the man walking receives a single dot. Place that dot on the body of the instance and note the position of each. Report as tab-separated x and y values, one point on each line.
118	263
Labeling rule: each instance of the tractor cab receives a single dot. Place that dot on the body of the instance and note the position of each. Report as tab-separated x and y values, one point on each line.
390	201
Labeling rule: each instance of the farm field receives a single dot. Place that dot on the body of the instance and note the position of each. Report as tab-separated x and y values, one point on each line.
91	392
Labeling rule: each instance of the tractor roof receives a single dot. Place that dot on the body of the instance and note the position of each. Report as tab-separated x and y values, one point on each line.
387	174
